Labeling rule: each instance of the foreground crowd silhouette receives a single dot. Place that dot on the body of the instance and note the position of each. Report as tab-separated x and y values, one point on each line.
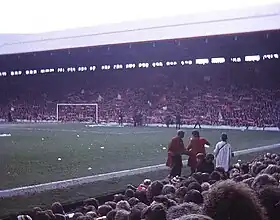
249	191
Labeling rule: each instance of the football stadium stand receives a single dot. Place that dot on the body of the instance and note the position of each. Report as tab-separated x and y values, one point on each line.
219	69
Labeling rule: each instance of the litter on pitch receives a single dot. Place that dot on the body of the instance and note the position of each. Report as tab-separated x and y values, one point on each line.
5	135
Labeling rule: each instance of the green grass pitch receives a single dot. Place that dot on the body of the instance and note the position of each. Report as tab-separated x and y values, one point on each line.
32	154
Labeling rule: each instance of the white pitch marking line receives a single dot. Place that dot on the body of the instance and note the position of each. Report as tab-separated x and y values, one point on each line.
256	149
90	179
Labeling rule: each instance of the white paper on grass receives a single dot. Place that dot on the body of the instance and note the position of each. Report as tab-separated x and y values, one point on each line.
5	135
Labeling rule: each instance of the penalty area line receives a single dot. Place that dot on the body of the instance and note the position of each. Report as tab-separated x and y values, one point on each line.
19	191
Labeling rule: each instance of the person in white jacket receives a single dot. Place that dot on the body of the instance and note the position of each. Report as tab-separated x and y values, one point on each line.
223	153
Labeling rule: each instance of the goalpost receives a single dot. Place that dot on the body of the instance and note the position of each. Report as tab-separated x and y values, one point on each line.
77	112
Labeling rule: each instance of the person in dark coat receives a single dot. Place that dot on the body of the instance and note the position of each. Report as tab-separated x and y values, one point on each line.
175	150
205	164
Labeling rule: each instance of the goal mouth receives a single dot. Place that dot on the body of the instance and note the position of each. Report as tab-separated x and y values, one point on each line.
77	112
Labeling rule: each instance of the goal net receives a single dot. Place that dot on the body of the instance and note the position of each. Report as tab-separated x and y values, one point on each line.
68	112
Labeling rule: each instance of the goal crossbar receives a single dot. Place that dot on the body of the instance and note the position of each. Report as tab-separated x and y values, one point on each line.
77	104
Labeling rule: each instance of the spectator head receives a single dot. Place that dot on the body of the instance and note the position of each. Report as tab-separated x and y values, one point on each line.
230	200
118	197
57	208
168	189
142	196
164	200
141	206
221	170
193	196
103	210
209	158
215	175
37	209
92	214
154	212
90	208
122	215
205	186
111	215
224	137
91	201
200	157
135	214
270	199
187	181
244	168
197	176
129	193
195	185
233	172
181	210
181	192
76	215
50	213
195	134
154	189
123	205
111	203
263	180
194	217
133	201
181	134
205	177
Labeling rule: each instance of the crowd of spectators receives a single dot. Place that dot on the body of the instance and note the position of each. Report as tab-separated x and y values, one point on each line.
213	99
249	191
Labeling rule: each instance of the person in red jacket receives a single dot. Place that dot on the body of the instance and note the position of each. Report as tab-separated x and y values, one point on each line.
175	150
195	147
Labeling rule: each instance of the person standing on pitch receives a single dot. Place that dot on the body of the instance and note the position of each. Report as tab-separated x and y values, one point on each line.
196	146
223	153
197	123
178	121
175	150
120	119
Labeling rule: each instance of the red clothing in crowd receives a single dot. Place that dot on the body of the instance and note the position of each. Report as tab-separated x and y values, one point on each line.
175	147
142	187
196	146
